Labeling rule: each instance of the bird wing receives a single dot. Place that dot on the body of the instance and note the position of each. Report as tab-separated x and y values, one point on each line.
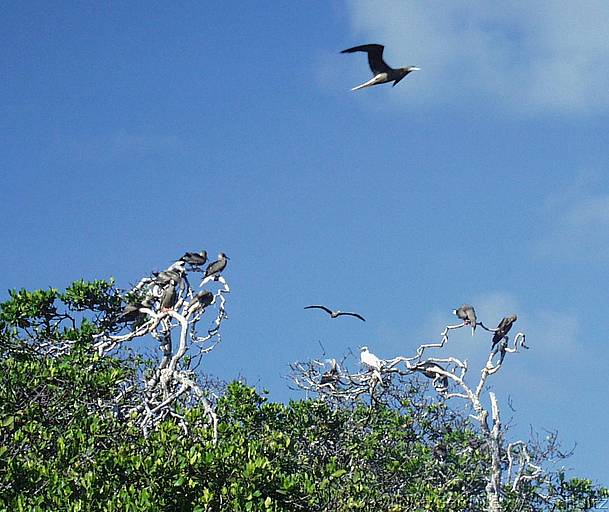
319	306
375	57
471	315
356	315
215	267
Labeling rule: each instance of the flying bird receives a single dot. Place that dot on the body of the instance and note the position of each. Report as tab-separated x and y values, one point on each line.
468	315
503	328
196	259
382	73
369	359
214	268
337	313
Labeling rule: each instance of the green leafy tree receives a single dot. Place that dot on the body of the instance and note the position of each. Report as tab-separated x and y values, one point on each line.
65	446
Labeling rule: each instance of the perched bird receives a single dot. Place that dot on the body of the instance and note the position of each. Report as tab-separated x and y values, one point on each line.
332	376
468	315
169	296
427	368
503	328
132	313
369	359
166	276
201	300
177	266
214	268
196	259
381	71
337	313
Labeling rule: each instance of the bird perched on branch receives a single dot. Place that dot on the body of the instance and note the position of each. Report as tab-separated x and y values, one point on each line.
201	300
332	376
428	368
369	359
171	274
503	328
132	313
196	259
337	313
468	315
381	71
169	296
214	268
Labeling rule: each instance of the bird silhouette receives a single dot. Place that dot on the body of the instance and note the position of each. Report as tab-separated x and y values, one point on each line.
382	73
503	328
468	315
337	313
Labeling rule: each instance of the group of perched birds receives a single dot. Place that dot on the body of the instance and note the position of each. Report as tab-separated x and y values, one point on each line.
466	312
165	285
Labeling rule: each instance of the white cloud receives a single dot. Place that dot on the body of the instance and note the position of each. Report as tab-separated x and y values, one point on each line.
578	227
529	56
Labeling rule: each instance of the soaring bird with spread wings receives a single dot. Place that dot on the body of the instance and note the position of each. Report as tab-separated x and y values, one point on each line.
382	73
337	313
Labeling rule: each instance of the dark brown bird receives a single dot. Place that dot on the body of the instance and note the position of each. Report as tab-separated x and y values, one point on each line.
201	300
381	71
503	328
332	376
214	268
196	259
131	312
335	314
427	368
169	297
173	273
468	315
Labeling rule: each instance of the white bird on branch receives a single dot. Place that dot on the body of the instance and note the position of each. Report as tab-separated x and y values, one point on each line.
370	360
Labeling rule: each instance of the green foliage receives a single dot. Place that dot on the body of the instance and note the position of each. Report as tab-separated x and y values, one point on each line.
62	449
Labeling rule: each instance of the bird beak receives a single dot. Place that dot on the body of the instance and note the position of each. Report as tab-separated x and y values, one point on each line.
415	69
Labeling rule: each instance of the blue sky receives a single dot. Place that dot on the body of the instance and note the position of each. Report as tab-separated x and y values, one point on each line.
132	133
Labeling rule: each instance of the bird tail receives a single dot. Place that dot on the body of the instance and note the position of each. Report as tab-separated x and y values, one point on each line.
360	87
373	81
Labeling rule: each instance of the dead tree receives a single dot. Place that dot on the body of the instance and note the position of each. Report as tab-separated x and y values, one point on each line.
449	379
170	309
